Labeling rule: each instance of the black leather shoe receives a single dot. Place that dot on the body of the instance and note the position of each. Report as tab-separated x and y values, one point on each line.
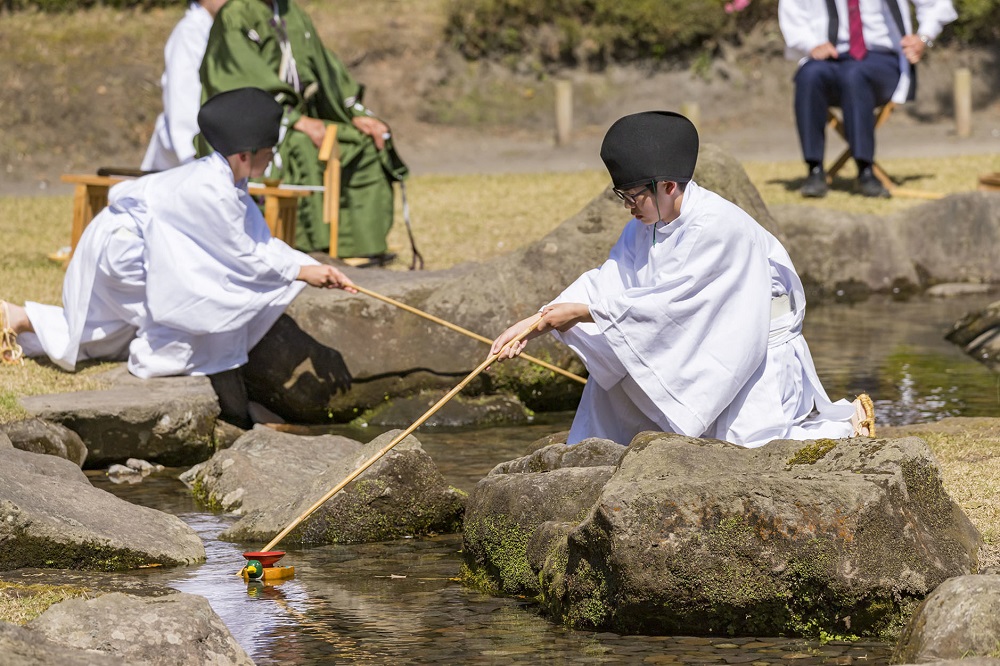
870	186
815	184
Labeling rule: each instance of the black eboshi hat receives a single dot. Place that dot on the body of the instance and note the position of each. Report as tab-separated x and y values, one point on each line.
648	146
239	120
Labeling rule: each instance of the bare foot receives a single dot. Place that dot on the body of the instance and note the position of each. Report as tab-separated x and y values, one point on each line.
863	419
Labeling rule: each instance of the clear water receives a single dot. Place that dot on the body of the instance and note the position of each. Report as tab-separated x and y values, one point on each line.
398	602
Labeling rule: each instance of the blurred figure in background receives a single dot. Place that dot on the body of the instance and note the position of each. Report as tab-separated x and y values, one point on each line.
172	143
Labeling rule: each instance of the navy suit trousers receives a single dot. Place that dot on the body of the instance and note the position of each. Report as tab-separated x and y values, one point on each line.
857	87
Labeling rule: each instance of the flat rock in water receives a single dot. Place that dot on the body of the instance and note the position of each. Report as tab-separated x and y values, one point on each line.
169	420
51	516
173	630
264	468
690	536
271	478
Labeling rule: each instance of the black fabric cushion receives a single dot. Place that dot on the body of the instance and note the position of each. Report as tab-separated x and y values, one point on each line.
648	146
239	120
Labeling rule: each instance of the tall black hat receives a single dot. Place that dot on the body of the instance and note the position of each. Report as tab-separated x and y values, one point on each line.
239	120
647	146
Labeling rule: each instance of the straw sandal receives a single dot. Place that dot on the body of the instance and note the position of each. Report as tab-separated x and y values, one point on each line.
864	416
10	351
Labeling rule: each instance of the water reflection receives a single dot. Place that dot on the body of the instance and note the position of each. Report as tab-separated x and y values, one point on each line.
398	602
896	351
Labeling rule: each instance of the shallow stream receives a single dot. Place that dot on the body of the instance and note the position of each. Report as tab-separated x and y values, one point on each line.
398	602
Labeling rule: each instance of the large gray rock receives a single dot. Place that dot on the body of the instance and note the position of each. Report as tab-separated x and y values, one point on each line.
960	619
39	436
169	420
173	630
23	647
308	372
272	478
51	516
978	333
830	247
702	536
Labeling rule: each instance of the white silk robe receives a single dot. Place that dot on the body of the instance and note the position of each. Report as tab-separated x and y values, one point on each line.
172	142
683	339
179	274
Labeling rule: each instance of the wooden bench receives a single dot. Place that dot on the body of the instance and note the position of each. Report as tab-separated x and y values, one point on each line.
91	197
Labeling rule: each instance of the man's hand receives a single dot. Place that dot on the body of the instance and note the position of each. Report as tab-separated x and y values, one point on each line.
515	348
326	277
825	51
913	48
374	128
564	316
314	128
561	316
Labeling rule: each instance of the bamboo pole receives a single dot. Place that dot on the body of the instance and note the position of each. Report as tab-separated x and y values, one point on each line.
396	440
464	331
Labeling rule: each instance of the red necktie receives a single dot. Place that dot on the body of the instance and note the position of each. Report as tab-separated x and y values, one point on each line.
857	47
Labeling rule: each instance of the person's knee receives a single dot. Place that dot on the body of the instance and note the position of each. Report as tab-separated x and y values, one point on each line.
814	75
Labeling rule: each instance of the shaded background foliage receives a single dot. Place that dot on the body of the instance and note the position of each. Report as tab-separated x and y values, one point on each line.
597	32
594	32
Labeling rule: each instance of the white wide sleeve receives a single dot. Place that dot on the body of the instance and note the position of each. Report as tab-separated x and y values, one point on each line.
933	15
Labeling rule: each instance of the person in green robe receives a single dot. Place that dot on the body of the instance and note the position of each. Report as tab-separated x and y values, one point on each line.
273	45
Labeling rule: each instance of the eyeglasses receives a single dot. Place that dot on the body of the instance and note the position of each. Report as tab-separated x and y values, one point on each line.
630	197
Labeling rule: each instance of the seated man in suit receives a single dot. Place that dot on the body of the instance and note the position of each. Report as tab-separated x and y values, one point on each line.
855	54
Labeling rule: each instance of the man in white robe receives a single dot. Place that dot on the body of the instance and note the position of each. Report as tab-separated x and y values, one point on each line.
180	274
172	142
693	324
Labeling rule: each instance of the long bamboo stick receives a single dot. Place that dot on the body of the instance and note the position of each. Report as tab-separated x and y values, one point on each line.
464	331
396	440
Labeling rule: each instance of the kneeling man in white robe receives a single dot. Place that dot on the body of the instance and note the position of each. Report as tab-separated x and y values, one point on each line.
179	274
693	325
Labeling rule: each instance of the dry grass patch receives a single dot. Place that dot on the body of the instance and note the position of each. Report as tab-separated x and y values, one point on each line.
970	465
20	604
968	453
476	217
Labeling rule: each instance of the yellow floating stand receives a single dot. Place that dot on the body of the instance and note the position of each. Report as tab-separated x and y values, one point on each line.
271	574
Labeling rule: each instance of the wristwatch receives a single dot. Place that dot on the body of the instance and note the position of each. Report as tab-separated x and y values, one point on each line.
928	42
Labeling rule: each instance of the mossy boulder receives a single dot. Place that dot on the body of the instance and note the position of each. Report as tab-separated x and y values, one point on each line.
513	512
272	478
691	536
